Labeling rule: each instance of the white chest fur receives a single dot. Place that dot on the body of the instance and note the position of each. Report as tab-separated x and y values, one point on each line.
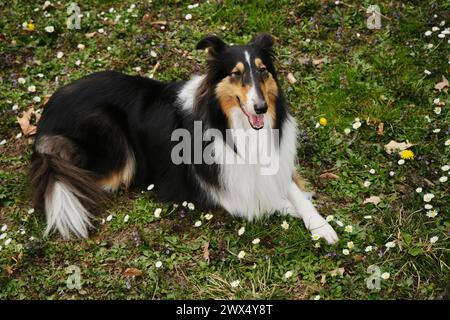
256	182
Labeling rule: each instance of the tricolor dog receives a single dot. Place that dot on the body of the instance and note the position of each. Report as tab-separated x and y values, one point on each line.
110	130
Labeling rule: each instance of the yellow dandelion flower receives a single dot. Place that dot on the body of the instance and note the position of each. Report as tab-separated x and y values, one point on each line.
407	154
323	122
31	26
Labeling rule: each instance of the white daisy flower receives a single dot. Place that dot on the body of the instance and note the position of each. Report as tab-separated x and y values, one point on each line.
153	54
390	244
428	206
288	274
191	206
241	231
157	212
208	216
356	125
419	190
385	275
241	254
4	227
436	130
350	245
49	29
30	211
101	30
434	239
347	131
443	179
447	143
348	228
109	218
315	236
427	197
317	297
391	173
126	218
158	264
235	283
256	241
445	168
59	54
434	29
37	99
428	33
346	252
367	183
21	80
150	187
285	225
432	213
198	223
372	171
15	107
401	161
329	218
3	236
188	16
317	245
368	249
437	110
32	88
184	204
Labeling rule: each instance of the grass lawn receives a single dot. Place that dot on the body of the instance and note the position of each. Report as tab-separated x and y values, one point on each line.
371	86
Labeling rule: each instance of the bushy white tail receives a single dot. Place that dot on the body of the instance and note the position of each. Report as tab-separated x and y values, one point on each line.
65	212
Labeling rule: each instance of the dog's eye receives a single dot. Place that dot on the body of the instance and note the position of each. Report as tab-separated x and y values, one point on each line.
236	73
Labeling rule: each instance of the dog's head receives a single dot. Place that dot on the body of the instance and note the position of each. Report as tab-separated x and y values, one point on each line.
242	78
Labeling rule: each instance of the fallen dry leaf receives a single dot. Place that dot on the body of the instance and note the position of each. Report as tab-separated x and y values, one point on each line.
442	85
338	271
323	278
328	176
132	272
206	251
24	121
318	62
393	146
380	131
291	78
90	34
373	199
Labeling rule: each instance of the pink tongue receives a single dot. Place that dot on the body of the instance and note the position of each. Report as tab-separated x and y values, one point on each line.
257	120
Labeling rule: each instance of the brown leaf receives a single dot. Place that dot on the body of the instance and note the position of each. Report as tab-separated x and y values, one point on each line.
373	199
291	78
328	176
132	272
396	146
89	35
46	98
159	23
145	18
323	278
206	251
28	129
318	62
442	85
380	131
338	271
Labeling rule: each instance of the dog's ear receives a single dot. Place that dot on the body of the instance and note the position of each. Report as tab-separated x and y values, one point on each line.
214	44
264	41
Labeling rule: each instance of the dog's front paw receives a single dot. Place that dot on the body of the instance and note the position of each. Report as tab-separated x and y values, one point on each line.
319	226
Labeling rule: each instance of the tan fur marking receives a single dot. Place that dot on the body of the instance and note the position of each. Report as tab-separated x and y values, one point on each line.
227	91
259	64
239	67
113	181
270	90
301	184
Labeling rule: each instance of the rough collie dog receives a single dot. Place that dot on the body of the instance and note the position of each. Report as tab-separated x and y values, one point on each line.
109	130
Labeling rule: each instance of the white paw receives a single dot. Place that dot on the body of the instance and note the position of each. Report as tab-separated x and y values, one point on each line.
319	226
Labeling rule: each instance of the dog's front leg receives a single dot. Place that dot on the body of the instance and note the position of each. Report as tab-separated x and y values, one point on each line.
302	207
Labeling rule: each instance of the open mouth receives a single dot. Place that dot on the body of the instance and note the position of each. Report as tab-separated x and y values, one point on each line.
255	120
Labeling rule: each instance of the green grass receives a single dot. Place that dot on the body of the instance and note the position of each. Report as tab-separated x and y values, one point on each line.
376	75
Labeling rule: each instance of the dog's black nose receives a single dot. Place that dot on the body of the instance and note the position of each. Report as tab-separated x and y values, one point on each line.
260	107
